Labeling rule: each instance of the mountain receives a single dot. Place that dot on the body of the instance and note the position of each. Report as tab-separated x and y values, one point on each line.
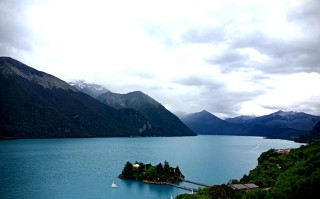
290	119
241	119
315	132
158	116
310	136
206	123
181	114
316	129
35	104
94	90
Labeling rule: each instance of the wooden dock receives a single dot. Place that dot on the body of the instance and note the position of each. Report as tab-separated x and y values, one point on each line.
182	187
198	183
179	186
171	184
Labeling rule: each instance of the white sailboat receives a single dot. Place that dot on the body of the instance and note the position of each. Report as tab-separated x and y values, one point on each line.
113	185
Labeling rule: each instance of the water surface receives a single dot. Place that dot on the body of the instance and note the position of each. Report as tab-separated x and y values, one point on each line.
85	168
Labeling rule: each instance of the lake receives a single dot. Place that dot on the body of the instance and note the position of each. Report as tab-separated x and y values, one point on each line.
85	168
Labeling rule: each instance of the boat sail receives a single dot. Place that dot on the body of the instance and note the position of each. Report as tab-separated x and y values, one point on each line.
113	185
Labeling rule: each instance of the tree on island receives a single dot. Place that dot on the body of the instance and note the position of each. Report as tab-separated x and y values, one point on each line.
147	172
159	168
127	171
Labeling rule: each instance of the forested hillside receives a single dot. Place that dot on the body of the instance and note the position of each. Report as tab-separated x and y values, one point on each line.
281	174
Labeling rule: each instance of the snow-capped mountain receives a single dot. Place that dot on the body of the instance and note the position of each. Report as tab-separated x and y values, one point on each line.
287	114
288	119
240	119
94	90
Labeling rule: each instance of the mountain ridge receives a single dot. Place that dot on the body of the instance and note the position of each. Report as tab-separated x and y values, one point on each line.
31	74
281	119
38	105
288	119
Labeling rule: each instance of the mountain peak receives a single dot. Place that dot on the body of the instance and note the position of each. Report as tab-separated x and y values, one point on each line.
135	100
8	59
205	113
139	95
286	113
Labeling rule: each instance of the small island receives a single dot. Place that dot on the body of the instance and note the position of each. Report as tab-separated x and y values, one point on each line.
159	174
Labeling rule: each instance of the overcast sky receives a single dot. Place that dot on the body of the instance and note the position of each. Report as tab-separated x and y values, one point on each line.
228	57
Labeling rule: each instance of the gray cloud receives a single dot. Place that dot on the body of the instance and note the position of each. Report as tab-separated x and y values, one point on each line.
191	81
230	57
287	55
310	106
226	102
230	60
200	81
308	16
15	34
299	55
216	98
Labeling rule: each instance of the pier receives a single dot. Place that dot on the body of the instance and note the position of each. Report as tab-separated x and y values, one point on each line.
179	186
182	187
171	184
198	183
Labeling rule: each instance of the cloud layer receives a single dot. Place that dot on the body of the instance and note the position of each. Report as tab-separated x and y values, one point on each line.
227	57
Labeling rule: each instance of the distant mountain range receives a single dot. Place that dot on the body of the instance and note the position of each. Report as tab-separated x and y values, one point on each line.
281	119
284	125
35	104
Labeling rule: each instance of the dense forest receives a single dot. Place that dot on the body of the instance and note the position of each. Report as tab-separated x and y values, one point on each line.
279	174
147	172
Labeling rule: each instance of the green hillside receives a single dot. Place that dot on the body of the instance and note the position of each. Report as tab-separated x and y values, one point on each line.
295	174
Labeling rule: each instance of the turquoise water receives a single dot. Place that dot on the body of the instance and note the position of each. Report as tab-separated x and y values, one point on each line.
85	168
